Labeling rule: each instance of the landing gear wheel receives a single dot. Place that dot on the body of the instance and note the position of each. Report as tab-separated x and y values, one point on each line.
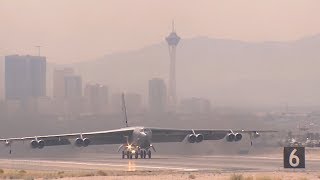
128	154
141	154
149	154
136	155
123	154
144	154
131	155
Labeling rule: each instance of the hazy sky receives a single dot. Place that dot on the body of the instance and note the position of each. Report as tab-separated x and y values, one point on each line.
77	30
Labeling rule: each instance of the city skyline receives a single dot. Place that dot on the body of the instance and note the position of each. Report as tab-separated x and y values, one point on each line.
72	97
206	57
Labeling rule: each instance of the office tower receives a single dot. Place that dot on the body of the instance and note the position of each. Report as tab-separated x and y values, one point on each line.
59	83
96	96
157	95
172	40
116	103
195	106
38	76
133	103
73	96
73	86
25	77
1	78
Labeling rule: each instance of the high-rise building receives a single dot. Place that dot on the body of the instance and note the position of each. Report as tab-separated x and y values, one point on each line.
116	103
73	86
96	96
195	106
58	82
25	77
133	103
1	78
73	95
157	95
172	40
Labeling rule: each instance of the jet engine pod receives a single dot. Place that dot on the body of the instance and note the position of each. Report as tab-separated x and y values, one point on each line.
238	137
256	135
192	138
41	144
34	144
86	142
230	137
79	142
199	138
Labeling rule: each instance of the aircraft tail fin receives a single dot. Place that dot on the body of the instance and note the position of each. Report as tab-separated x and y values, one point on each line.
124	109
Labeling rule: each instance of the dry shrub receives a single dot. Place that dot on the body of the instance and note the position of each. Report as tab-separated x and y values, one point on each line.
248	178
236	177
264	178
22	172
304	178
101	173
88	174
192	176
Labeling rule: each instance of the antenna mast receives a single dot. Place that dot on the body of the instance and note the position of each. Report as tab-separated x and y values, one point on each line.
173	30
39	47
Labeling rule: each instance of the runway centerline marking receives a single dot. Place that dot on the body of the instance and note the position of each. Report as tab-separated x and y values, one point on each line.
104	164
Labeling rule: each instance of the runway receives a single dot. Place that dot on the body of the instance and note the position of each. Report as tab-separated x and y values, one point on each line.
159	162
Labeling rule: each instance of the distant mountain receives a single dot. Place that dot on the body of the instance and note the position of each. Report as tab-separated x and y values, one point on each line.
228	72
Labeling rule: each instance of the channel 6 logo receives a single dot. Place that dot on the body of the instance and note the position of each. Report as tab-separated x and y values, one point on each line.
294	157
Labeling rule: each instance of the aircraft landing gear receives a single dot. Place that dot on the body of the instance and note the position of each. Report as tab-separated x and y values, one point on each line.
144	154
135	154
149	154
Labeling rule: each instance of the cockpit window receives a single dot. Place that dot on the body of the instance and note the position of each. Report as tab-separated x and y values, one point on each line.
145	130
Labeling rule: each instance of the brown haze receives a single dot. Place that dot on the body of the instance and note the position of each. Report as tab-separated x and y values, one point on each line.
238	53
244	72
77	30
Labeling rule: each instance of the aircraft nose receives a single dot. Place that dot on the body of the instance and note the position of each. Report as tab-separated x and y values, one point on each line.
143	134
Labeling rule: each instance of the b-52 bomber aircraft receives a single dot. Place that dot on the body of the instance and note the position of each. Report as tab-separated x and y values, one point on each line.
134	141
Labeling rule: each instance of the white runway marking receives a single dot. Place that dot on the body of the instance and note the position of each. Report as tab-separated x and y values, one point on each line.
130	165
161	162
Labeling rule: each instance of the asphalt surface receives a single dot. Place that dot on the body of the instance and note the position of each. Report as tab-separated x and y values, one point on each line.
158	162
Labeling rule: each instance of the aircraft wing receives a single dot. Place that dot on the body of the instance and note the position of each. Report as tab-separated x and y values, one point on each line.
178	135
118	136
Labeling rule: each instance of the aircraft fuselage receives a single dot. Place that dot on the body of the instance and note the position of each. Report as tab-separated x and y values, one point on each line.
141	137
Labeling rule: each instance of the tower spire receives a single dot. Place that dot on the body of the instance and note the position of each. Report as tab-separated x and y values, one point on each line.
173	30
172	40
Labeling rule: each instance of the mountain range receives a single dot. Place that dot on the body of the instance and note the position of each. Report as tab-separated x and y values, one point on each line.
228	72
